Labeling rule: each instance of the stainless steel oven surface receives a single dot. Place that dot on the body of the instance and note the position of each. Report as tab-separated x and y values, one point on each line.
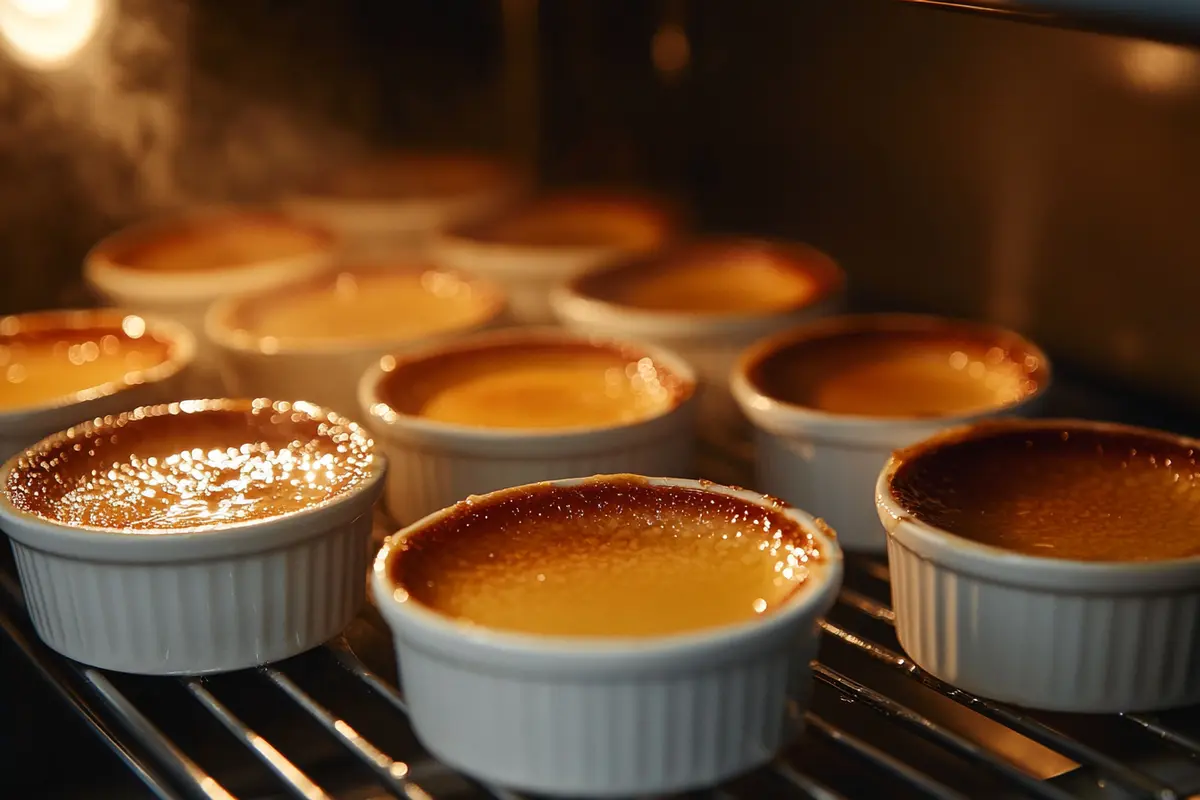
1026	164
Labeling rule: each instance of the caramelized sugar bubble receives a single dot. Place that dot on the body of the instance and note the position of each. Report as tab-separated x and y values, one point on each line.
44	359
894	372
192	465
365	306
534	384
618	557
1061	491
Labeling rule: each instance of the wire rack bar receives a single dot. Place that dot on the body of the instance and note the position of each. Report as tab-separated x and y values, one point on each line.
810	787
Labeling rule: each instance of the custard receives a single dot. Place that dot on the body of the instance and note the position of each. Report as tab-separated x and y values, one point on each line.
610	558
579	220
718	277
533	384
369	306
914	371
44	359
215	241
196	464
1059	489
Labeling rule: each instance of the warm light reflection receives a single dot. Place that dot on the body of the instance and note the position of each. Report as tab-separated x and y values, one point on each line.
1157	67
49	33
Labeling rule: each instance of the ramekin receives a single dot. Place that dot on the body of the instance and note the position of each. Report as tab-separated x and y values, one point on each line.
829	462
22	427
199	600
436	464
396	204
326	371
530	272
592	717
185	295
1045	633
710	342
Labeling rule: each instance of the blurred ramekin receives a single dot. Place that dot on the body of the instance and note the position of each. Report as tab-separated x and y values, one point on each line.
809	285
326	369
194	600
176	266
1047	633
829	462
22	425
393	205
539	245
436	464
609	717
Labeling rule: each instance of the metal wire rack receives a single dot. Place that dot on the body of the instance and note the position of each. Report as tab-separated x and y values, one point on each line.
332	724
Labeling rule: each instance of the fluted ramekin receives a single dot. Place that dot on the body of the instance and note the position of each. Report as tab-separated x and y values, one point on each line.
436	464
1046	633
601	717
21	427
829	462
710	341
192	601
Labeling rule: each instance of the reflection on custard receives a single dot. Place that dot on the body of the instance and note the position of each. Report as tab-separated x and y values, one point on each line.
899	373
1061	491
214	242
718	278
367	306
533	384
43	362
630	224
190	465
617	557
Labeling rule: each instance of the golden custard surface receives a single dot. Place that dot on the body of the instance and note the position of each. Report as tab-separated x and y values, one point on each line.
364	307
613	558
897	373
534	385
632	225
182	469
47	364
220	243
1061	492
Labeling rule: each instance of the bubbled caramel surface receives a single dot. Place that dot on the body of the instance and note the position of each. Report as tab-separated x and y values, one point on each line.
192	465
612	557
1061	491
921	370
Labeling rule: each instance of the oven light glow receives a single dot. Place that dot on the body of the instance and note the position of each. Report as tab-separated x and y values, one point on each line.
1159	67
49	33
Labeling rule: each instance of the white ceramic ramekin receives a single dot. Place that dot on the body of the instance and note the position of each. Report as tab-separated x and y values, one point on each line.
529	273
395	205
325	371
194	600
829	462
711	342
185	295
583	717
436	464
22	427
1046	633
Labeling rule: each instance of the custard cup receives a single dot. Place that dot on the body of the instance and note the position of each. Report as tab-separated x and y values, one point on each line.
1046	633
435	464
829	462
609	717
200	600
21	427
322	371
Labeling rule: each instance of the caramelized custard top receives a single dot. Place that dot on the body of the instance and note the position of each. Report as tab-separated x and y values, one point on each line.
53	357
368	305
191	465
920	371
630	223
610	557
214	241
533	383
417	176
1060	490
718	277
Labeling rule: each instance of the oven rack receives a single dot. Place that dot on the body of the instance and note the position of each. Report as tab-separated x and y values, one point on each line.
905	748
